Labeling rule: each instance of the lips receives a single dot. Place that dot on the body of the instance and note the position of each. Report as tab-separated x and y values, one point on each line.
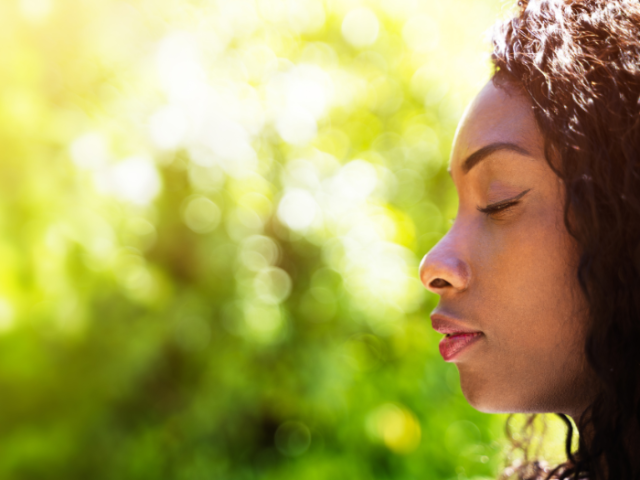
458	337
452	345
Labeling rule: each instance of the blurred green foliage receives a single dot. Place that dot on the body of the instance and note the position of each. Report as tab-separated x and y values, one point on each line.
212	214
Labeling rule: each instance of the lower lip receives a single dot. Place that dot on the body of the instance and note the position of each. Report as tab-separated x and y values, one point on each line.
453	345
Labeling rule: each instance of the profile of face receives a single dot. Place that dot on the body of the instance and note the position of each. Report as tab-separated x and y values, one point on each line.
506	271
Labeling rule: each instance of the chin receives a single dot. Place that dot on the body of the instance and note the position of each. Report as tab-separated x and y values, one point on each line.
489	398
505	397
482	403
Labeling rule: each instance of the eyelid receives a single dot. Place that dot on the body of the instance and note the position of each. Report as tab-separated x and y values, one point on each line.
505	203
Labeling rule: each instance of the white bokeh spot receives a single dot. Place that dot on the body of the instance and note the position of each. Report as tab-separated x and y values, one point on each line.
360	27
297	209
134	180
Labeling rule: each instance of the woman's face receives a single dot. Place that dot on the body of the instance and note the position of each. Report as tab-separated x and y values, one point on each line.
506	271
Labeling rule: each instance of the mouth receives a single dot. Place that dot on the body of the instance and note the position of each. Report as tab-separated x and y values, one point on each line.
458	336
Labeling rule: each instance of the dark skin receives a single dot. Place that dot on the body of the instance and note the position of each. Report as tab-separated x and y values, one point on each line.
508	266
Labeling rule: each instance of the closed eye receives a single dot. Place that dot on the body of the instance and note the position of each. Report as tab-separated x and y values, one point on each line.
502	205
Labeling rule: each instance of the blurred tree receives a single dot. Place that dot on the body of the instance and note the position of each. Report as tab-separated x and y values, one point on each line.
211	218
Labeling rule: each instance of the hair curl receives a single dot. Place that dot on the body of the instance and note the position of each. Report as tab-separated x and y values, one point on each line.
579	63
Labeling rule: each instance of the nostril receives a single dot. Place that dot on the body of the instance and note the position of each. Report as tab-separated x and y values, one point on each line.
439	283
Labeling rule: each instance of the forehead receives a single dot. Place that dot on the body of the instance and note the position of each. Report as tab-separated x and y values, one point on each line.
496	115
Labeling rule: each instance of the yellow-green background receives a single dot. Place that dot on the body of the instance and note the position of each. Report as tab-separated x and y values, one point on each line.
211	218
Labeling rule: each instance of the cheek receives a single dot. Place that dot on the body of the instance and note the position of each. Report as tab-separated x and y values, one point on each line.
527	276
528	303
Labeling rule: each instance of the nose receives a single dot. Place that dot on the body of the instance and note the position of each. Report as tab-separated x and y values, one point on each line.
443	270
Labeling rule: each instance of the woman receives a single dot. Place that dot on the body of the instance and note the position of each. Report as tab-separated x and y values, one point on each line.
539	277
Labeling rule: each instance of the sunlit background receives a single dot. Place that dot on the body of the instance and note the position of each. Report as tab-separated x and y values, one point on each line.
211	218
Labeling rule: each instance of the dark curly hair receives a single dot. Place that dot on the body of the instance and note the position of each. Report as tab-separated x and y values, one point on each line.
579	63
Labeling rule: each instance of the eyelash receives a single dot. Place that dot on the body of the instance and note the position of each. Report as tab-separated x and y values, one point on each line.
497	208
503	206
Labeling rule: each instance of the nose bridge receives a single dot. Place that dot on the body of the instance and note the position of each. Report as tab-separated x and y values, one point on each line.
446	261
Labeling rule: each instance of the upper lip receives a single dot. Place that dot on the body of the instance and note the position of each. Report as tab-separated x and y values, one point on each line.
450	326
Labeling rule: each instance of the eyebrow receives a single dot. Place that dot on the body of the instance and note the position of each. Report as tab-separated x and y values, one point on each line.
479	155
